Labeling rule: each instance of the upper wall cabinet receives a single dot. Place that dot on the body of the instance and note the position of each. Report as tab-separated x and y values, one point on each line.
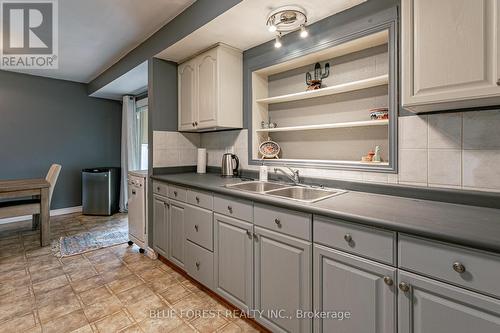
450	56
211	91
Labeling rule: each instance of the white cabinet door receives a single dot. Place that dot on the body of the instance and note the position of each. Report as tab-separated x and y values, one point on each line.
450	56
187	93
363	288
233	260
431	306
208	89
282	281
176	233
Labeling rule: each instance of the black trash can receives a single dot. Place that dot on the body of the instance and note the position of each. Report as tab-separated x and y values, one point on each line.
100	191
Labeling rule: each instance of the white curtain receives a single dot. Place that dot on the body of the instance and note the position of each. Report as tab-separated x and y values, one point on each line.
130	154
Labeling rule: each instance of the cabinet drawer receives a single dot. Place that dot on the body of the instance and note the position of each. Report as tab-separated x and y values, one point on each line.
199	264
199	226
200	199
364	241
240	209
283	220
160	188
443	261
177	193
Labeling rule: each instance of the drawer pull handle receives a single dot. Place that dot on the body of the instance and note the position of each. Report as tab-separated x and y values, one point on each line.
404	287
197	200
197	265
196	227
175	193
278	222
498	82
158	188
388	280
458	267
192	123
348	238
230	209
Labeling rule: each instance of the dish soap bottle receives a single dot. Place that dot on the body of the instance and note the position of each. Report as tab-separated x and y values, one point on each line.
263	173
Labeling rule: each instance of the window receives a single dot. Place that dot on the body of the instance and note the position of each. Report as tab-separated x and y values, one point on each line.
142	131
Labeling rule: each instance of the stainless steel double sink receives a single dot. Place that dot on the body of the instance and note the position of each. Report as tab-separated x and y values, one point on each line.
301	193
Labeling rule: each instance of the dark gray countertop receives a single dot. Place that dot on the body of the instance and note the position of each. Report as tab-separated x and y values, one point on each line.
465	225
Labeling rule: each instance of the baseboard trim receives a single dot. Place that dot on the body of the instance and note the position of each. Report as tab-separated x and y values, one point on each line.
53	212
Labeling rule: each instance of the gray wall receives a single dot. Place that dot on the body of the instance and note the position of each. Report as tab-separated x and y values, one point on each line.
45	121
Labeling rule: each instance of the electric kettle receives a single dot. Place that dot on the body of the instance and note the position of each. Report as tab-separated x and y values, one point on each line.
227	169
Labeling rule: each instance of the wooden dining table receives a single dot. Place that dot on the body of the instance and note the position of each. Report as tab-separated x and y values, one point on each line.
22	188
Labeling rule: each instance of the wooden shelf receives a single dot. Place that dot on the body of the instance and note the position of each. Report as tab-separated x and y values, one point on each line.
337	89
383	122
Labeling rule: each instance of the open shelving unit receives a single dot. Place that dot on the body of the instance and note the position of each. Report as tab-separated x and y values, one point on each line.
329	126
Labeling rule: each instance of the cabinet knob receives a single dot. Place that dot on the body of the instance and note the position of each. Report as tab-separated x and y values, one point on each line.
230	209
158	188
249	233
175	193
255	236
197	265
388	280
498	82
192	123
278	222
404	287
196	227
197	200
458	267
195	123
348	238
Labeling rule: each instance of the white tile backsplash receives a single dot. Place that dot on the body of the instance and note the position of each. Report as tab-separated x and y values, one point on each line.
451	150
445	167
481	169
413	166
413	132
481	130
445	131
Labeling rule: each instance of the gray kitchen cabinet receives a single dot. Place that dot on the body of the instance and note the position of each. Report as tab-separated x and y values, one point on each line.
160	224
359	295
233	260
425	305
176	233
283	285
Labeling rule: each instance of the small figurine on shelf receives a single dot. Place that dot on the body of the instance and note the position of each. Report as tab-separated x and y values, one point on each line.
369	157
376	158
379	113
267	125
373	156
313	84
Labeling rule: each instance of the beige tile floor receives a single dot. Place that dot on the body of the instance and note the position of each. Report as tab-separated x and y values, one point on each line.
107	290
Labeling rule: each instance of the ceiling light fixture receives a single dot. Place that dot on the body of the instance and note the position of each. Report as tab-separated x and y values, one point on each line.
286	19
277	43
303	31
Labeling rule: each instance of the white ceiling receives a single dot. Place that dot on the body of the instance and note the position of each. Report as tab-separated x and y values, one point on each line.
244	25
94	34
133	82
